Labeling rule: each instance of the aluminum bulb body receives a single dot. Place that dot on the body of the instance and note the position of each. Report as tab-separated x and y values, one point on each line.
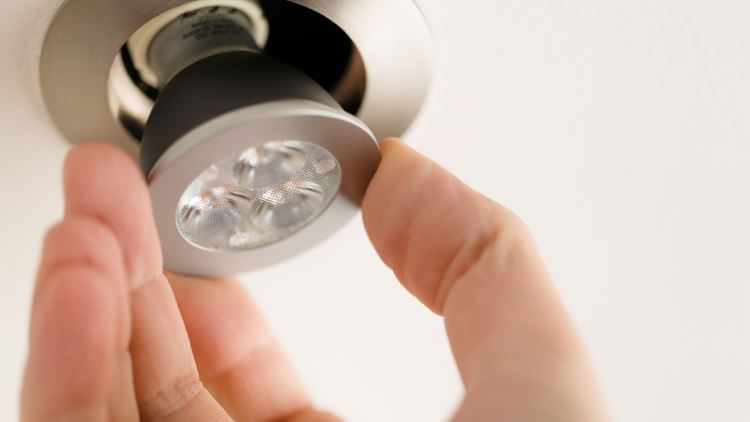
250	162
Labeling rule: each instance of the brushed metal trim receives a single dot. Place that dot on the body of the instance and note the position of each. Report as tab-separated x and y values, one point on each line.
85	37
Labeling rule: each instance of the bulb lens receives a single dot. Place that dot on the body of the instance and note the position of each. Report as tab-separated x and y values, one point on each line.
258	196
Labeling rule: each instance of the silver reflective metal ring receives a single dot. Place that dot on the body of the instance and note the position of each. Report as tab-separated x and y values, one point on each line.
86	36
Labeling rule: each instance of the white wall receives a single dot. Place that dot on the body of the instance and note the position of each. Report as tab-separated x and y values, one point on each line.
619	130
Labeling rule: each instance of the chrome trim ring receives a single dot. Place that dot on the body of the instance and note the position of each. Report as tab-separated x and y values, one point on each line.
86	35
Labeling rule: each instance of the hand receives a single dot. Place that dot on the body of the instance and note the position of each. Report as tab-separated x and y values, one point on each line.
113	338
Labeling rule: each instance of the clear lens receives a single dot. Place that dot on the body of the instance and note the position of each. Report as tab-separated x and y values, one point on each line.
258	196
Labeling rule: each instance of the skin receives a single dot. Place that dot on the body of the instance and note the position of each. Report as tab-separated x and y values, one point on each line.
114	337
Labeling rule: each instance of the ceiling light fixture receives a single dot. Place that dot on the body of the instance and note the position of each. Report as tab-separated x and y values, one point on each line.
243	152
249	160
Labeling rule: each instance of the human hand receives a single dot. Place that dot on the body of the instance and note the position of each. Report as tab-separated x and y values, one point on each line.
113	338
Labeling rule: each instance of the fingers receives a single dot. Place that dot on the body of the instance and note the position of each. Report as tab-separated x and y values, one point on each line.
475	262
425	224
314	416
166	379
103	183
239	362
78	366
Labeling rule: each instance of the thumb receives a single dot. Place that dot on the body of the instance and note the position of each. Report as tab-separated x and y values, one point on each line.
475	262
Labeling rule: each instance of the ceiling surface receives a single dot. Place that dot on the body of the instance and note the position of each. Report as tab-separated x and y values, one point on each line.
618	130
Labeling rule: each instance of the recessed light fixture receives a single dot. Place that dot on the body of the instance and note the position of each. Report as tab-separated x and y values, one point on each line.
249	160
244	153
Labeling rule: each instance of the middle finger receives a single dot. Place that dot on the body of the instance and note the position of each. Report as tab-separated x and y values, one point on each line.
103	183
237	357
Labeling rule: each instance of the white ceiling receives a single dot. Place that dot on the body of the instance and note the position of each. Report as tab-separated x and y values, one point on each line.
619	130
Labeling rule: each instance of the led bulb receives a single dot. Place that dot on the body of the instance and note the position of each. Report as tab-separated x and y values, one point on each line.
222	207
258	196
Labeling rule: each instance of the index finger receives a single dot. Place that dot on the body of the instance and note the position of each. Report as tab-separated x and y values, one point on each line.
475	262
103	183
